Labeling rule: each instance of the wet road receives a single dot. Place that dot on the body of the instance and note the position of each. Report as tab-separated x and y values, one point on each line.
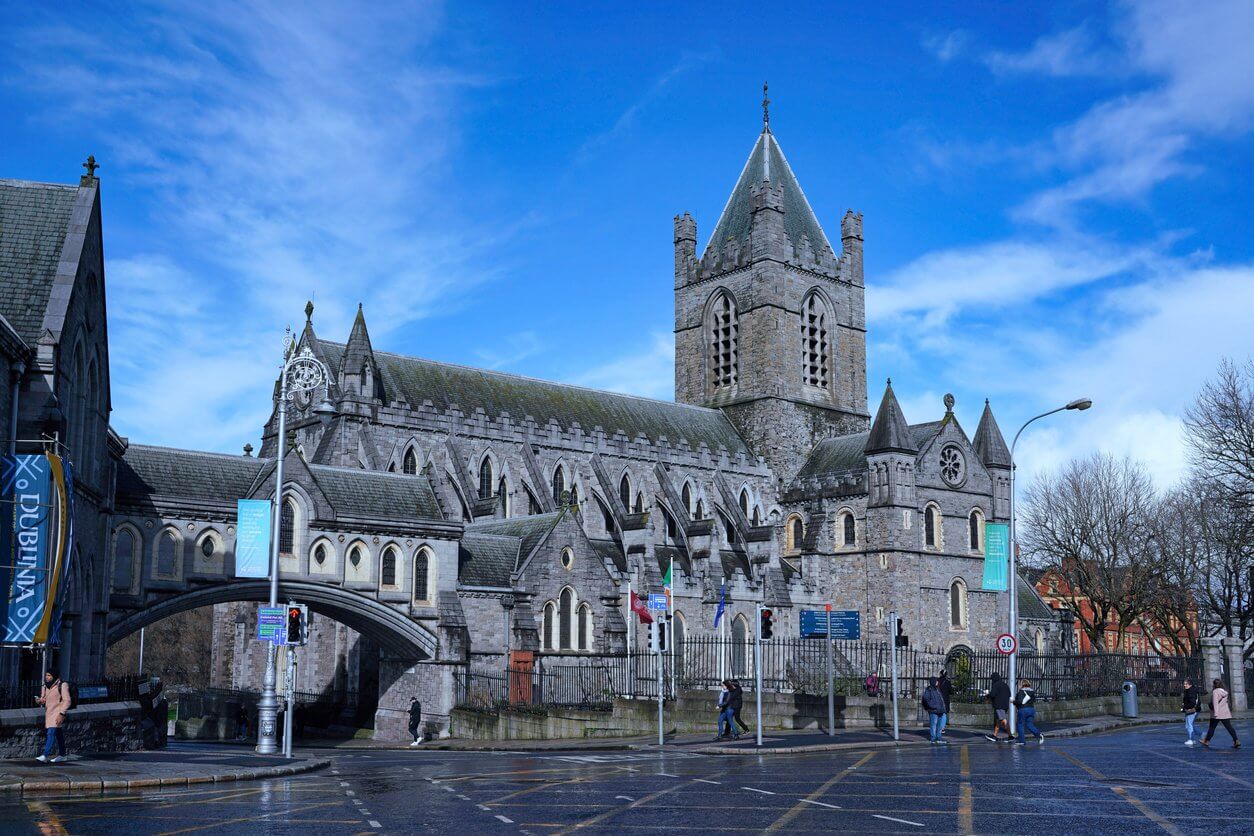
1138	781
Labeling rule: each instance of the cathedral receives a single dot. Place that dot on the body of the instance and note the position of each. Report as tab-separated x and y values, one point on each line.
442	519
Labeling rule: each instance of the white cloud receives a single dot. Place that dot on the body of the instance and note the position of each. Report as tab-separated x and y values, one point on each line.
948	45
1068	53
648	371
284	156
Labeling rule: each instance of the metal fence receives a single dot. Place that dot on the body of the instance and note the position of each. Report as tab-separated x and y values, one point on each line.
118	689
580	685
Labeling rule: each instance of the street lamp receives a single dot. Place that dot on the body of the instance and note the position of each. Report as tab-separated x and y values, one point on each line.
1078	404
302	373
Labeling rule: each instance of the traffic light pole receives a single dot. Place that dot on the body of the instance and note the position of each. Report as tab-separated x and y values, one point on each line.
831	696
757	675
291	703
892	645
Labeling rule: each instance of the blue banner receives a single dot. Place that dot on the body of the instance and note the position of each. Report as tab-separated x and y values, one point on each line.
26	488
252	538
996	556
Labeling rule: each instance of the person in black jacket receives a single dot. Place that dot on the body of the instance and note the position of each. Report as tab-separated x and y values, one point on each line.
737	703
415	721
999	696
946	686
1189	705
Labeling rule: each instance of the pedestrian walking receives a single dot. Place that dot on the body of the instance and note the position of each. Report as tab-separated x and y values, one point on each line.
55	698
1220	712
724	711
1189	704
934	704
1025	701
998	696
415	721
946	686
241	722
737	702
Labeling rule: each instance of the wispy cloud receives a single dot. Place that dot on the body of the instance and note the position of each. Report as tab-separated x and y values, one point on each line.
947	46
284	155
515	348
1073	52
648	371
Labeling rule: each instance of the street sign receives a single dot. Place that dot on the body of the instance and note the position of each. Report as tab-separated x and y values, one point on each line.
1006	644
657	602
846	624
272	624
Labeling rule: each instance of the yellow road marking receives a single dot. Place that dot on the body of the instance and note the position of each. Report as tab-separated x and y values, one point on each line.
966	800
800	806
1218	772
243	819
51	825
547	784
644	800
1124	794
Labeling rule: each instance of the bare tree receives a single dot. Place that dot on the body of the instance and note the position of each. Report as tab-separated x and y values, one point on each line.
1092	523
177	649
1219	429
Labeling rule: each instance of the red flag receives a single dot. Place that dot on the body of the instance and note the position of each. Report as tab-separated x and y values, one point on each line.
639	608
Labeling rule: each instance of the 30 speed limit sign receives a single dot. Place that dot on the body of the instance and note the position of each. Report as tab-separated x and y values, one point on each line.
1006	644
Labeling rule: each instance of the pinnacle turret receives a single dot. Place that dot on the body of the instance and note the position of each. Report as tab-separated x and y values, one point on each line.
890	432
989	444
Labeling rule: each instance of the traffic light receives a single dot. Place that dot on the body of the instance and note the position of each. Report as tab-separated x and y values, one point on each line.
297	624
764	619
657	636
902	639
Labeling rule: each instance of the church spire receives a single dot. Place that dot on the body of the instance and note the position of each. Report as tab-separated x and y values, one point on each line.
358	351
989	444
890	432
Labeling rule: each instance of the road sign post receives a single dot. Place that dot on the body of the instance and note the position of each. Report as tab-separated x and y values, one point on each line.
657	604
831	695
1006	645
757	674
892	632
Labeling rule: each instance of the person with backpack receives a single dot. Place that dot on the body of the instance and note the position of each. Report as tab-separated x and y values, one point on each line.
946	686
934	705
1220	712
1025	701
1189	705
56	699
724	711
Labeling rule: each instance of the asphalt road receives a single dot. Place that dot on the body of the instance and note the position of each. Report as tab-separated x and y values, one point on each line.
1136	781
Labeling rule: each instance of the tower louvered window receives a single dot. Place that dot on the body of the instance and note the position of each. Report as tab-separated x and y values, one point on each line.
723	343
815	367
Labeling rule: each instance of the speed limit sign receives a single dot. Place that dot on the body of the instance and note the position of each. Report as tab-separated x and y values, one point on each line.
1006	644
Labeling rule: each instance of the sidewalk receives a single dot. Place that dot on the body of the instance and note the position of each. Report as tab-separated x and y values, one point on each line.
176	766
773	742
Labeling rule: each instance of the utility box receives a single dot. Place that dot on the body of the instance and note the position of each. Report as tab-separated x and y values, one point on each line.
1129	699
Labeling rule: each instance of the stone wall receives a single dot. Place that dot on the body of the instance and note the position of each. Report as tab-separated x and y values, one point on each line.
103	727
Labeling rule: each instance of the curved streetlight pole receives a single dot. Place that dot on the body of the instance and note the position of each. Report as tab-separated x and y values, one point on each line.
302	373
1013	582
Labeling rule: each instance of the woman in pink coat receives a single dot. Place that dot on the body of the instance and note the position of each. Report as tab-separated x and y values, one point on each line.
55	698
1220	712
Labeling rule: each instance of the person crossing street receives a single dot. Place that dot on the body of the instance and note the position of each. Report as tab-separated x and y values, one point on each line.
1025	701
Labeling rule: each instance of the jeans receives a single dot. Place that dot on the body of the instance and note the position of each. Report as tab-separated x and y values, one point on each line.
937	726
57	737
1189	719
1027	721
725	720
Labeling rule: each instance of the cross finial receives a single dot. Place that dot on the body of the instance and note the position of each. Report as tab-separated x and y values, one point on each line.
91	165
766	108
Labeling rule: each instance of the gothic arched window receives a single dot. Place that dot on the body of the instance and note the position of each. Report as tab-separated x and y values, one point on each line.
723	342
975	530
585	627
565	618
744	501
699	514
958	604
502	490
815	366
287	527
548	629
387	567
167	554
687	498
123	559
410	463
485	478
559	484
422	577
740	646
849	529
639	509
931	527
794	534
624	491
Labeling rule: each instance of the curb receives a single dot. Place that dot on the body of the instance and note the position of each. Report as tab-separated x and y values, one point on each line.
502	746
97	785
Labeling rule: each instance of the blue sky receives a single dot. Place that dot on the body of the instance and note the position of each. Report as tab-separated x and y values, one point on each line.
1056	198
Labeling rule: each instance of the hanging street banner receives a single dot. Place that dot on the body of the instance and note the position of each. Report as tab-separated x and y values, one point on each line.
996	556
36	534
252	538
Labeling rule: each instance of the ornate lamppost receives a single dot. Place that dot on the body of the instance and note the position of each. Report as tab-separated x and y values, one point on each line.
302	373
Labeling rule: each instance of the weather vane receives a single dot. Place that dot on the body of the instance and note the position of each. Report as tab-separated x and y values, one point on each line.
766	108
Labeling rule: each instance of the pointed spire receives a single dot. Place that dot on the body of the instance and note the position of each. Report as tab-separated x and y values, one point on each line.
358	351
989	444
890	432
308	337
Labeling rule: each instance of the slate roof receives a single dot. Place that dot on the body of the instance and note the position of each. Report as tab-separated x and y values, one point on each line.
767	163
1030	604
415	380
486	559
836	455
609	551
529	531
34	220
146	471
989	444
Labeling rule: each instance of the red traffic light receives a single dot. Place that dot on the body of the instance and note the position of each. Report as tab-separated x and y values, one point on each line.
294	612
766	613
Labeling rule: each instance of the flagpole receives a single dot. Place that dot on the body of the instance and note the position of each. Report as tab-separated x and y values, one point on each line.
670	612
631	646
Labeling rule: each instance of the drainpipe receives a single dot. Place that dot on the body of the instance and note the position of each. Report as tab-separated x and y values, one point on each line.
17	371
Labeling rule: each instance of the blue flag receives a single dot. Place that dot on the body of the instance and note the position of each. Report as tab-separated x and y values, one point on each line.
722	605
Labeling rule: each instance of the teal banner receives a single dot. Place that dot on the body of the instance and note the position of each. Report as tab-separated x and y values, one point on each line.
252	538
26	487
996	556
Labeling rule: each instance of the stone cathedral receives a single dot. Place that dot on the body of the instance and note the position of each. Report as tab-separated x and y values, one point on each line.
502	516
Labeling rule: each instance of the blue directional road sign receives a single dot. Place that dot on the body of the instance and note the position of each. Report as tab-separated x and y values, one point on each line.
846	624
657	601
272	624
